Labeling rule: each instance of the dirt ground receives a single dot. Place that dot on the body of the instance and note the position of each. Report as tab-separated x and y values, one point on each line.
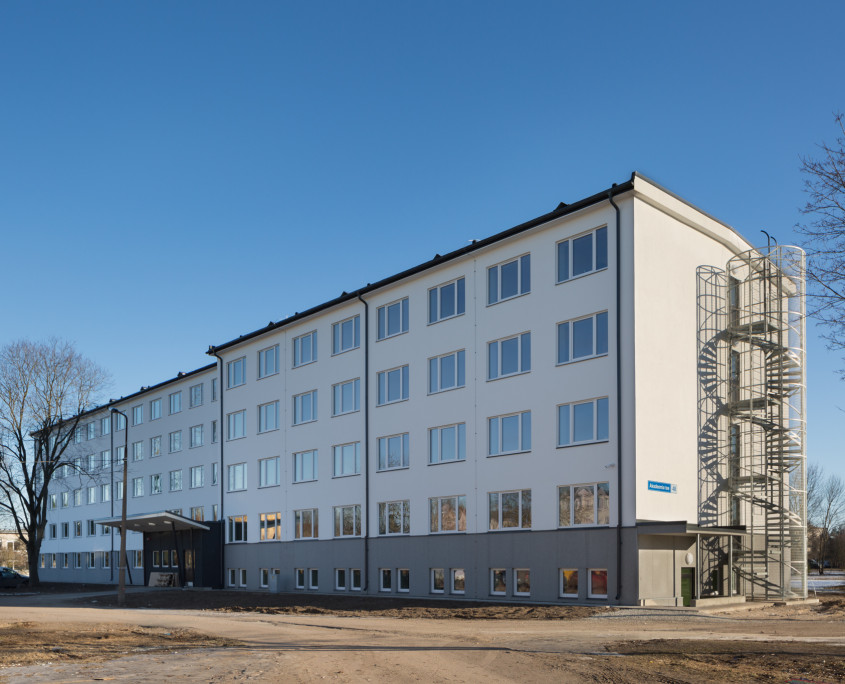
201	637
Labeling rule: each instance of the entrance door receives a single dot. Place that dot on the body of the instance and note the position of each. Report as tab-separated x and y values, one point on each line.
687	584
189	566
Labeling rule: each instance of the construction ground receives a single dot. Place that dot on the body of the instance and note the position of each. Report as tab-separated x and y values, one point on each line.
77	634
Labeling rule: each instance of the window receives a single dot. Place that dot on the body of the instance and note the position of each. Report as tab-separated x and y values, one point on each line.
77	497
582	422
120	454
346	397
581	255
269	472
175	480
137	414
393	319
237	528
268	361
305	466
447	514
53	530
91	430
214	467
393	385
106	559
510	510
138	486
446	301
155	409
299	578
175	441
510	279
305	349
394	517
120	490
237	477
155	446
92	495
77	435
347	459
92	560
587	504
198	513
138	557
404	580
346	335
65	496
77	528
509	356
236	423
447	443
54	501
196	436
393	452
66	560
447	372
347	521
213	389
264	575
458	581
214	432
355	575
233	577
305	407
521	582
509	434
236	372
120	421
269	526
242	577
340	579
568	583
215	511
438	581
105	426
598	584
582	338
137	451
93	462
498	581
268	416
196	395
155	483
385	579
105	492
305	524
313	578
77	560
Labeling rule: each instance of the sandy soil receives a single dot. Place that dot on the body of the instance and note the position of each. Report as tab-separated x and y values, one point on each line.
756	644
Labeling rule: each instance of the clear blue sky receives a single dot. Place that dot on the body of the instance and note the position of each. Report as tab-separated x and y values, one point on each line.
174	174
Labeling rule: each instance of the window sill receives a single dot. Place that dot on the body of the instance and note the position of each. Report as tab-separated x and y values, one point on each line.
390	470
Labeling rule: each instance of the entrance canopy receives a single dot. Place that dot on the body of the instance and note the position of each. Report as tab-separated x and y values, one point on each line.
165	521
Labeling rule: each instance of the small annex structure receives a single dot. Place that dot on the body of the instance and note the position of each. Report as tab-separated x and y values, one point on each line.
604	404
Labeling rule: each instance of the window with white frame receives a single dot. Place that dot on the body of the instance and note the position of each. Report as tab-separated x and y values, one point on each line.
237	477
77	528
582	338
242	577
53	530
213	389
582	255
393	452
77	497
569	583
447	514
175	480
264	577
393	319
522	582
197	476
394	517
270	526
305	349
198	513
137	486
313	578
305	466
305	524
582	422
105	492
236	424
155	483
237	528
92	560
458	581
196	436
93	462
447	372
340	579
196	395
268	361
447	443
347	459
269	472
78	434
509	356
155	409
268	416
119	454
233	577
299	578
105	426
347	521
385	579
65	496
598	584
446	301
584	504
510	510
509	434
393	385
346	397
92	495
404	576
137	451
119	490
106	559
138	557
214	432
509	279
54	501
91	430
438	580
305	407
119	421
175	441
236	372
77	558
137	414
346	335
155	446
355	579
498	581
214	469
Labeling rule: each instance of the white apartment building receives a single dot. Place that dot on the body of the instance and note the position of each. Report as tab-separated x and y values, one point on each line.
522	419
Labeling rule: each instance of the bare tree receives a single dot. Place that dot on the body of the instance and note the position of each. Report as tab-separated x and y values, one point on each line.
825	509
44	388
824	236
